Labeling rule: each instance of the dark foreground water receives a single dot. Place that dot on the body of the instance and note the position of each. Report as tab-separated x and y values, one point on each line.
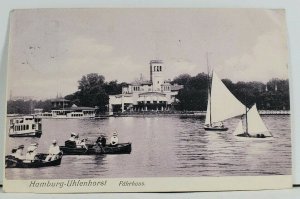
163	147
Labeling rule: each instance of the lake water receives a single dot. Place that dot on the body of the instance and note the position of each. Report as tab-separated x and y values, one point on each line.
169	146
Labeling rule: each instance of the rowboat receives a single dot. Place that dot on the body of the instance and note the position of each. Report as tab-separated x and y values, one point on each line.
13	162
94	149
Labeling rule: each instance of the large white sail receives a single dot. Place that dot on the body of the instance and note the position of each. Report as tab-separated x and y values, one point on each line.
255	123
224	104
239	129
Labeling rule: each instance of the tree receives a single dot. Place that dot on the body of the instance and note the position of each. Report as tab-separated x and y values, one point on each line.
91	92
182	79
193	96
91	81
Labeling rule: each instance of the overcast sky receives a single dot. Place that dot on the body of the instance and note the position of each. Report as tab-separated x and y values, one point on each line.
51	49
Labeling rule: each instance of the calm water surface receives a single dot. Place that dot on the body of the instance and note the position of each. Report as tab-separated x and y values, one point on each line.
163	147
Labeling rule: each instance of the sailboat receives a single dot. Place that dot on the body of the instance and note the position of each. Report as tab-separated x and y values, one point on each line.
255	127
222	105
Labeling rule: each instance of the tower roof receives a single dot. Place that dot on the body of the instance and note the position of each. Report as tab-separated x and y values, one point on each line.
156	61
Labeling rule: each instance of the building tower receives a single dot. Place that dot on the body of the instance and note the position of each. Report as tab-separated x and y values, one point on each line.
156	74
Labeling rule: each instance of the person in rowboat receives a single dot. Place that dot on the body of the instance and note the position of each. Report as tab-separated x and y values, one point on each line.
82	143
53	151
31	152
13	152
19	152
71	141
72	138
77	140
114	140
101	140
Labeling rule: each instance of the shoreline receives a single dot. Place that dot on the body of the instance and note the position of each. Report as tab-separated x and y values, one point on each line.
156	114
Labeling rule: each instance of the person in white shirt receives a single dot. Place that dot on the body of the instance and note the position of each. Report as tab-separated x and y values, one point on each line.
72	138
31	151
114	139
77	140
19	153
53	151
83	143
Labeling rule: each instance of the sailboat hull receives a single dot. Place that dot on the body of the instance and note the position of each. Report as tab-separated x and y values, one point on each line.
215	128
258	136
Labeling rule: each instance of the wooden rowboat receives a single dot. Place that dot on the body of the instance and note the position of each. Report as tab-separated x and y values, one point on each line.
93	149
12	162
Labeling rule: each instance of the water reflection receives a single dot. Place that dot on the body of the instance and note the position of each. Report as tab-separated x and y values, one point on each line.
163	146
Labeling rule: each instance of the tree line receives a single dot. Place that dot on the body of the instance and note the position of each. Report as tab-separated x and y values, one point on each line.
274	95
94	91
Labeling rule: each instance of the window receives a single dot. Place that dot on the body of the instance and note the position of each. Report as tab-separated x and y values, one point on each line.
148	102
33	126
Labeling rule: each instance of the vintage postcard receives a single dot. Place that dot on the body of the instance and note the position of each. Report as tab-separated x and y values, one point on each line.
147	100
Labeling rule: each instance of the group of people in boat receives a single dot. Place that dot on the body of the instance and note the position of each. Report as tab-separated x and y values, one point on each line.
29	155
74	141
114	140
54	150
31	152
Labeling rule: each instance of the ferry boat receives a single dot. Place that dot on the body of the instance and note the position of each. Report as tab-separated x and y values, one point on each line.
73	112
25	126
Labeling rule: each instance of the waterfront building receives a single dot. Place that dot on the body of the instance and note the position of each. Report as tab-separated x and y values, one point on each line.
155	94
60	103
61	108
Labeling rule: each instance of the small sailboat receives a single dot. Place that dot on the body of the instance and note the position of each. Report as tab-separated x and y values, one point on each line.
255	127
222	105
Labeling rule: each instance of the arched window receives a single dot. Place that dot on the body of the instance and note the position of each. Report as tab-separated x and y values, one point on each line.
154	68
159	68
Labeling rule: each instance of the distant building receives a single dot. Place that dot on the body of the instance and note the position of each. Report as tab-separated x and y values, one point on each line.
60	103
61	108
38	111
23	98
155	94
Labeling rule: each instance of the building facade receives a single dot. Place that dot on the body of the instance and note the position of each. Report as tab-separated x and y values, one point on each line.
155	94
61	108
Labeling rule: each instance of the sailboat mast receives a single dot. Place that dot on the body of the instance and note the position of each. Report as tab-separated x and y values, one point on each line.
246	113
210	104
246	120
209	88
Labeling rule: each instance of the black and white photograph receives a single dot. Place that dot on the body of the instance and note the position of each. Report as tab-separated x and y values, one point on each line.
146	93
